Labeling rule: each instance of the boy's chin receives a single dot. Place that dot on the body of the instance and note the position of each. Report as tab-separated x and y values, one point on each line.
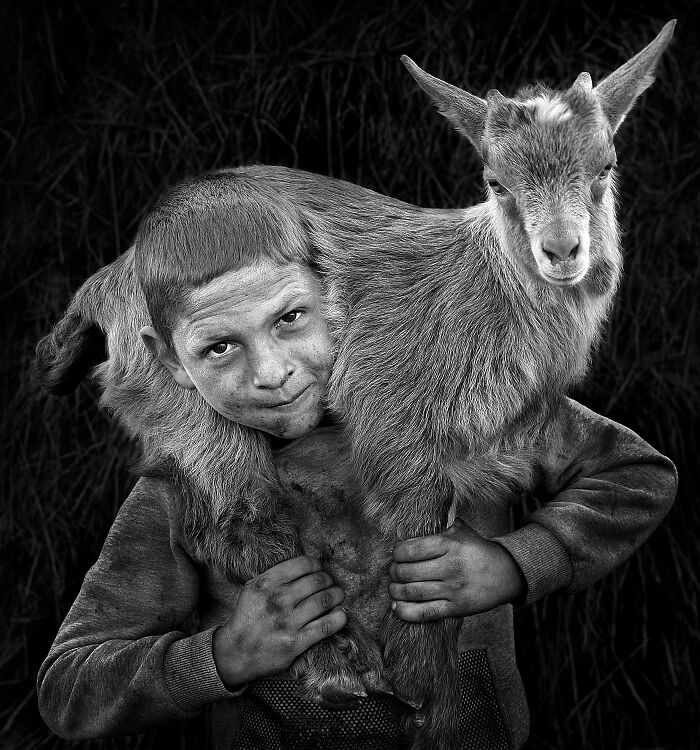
294	427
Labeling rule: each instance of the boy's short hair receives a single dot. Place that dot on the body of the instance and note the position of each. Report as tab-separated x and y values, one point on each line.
206	226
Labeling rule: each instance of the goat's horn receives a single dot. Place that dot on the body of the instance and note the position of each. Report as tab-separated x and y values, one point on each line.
583	82
494	96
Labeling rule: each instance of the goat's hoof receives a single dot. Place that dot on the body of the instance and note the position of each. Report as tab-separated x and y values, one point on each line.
417	720
334	691
338	700
375	684
410	699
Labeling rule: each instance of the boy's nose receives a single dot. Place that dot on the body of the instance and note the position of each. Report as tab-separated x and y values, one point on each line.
270	368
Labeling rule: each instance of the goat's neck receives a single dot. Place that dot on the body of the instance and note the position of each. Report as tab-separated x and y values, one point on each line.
550	330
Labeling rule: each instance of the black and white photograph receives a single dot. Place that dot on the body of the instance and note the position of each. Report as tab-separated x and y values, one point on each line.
351	391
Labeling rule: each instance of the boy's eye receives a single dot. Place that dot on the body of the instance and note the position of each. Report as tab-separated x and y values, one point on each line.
222	347
290	317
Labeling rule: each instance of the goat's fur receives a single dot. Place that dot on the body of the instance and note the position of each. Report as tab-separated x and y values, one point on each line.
457	332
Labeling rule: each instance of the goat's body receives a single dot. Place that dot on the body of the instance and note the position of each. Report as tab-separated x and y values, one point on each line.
450	358
449	355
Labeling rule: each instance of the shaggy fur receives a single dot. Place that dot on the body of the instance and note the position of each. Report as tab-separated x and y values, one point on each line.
457	332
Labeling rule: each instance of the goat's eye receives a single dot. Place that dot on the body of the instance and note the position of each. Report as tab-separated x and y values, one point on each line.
497	188
605	171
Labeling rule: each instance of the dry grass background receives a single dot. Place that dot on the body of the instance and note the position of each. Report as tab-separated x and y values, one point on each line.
106	103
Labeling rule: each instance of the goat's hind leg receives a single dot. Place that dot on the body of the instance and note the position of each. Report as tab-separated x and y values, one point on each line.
421	659
422	666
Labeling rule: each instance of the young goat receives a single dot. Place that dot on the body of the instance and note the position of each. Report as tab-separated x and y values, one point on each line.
458	331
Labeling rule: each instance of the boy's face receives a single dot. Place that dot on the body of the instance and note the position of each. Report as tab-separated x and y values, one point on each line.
255	345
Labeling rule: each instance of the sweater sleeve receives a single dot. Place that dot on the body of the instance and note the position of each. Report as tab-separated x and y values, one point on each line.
602	491
120	663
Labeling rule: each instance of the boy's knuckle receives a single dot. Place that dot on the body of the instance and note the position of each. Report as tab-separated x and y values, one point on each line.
261	583
330	624
275	603
431	613
413	591
292	643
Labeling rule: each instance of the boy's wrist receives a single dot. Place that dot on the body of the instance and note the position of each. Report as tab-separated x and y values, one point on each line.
190	672
514	585
229	666
542	558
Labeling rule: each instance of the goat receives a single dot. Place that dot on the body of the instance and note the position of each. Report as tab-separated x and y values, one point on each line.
459	330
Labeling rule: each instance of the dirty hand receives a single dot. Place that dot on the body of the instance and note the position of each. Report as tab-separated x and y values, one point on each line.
280	613
452	574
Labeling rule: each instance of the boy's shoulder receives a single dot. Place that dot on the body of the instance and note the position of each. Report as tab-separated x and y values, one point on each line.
152	504
580	442
578	428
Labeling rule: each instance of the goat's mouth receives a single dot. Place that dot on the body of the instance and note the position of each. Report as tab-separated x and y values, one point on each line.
563	279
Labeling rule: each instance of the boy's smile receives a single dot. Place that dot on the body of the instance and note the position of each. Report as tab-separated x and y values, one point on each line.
256	346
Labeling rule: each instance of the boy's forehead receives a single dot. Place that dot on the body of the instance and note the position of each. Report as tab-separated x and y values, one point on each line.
247	289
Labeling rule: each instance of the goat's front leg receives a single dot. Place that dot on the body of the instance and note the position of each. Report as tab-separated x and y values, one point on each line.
341	668
335	671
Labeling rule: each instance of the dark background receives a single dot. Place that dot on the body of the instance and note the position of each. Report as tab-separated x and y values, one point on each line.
105	103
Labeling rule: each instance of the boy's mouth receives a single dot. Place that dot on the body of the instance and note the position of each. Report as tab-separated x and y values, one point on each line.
286	402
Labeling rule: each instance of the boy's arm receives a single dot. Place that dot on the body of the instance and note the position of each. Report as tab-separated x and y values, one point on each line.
120	664
603	491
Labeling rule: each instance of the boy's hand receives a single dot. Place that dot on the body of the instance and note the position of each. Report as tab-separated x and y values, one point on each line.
279	614
452	574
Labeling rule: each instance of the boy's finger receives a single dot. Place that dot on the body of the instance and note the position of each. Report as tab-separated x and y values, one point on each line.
420	548
413	612
290	570
422	591
322	627
426	570
314	606
301	588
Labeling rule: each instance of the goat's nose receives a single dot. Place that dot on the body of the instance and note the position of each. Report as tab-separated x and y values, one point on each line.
560	249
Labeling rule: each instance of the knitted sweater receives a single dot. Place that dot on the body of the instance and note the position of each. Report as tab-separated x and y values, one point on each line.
123	663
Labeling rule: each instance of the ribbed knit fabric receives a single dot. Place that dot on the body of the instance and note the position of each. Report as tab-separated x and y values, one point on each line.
190	672
542	558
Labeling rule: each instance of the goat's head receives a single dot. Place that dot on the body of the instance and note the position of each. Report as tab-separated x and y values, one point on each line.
549	158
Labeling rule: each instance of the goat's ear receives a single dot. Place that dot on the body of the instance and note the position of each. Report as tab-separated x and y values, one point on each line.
617	92
464	110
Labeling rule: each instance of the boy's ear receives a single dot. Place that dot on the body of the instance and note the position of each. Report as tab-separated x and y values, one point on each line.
160	350
618	92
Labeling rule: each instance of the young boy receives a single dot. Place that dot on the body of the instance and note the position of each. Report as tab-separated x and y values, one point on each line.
237	320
